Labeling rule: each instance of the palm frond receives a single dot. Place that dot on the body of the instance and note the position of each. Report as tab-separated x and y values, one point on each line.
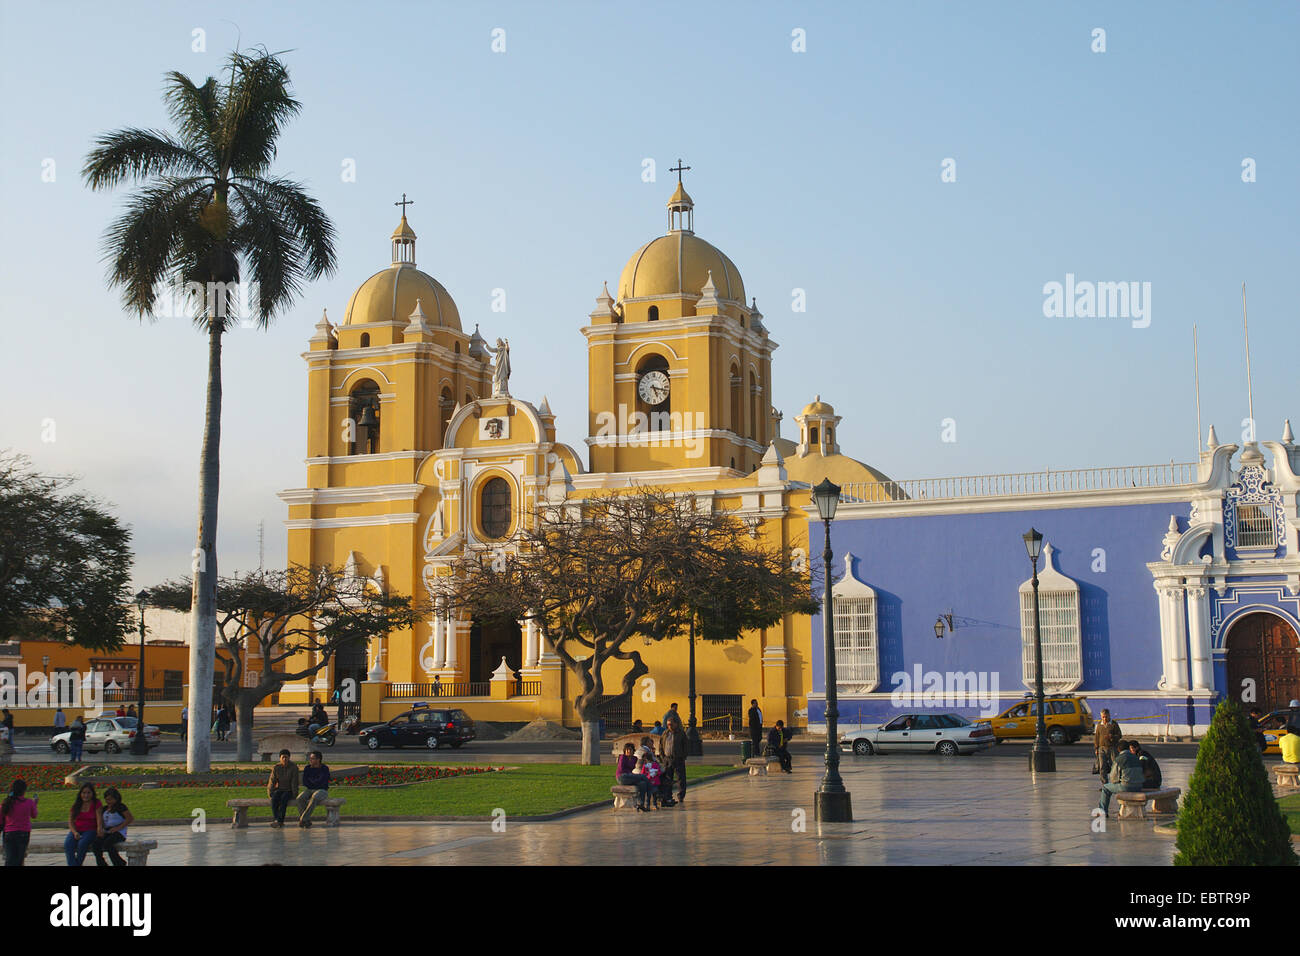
257	107
196	111
274	253
139	154
142	244
304	217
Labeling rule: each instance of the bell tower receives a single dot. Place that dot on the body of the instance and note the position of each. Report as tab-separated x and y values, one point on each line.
679	367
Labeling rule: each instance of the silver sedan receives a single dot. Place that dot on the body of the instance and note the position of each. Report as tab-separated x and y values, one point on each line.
948	734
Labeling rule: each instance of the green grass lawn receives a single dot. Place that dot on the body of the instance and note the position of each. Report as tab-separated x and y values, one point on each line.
526	790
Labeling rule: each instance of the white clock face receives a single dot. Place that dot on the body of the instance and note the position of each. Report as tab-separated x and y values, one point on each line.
653	388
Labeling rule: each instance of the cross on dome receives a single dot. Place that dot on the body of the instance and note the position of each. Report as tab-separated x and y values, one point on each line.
411	202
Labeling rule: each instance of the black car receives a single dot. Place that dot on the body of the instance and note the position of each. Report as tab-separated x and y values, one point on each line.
421	727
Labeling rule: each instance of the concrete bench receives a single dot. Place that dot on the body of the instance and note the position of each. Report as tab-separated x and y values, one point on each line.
240	806
624	796
1288	774
1132	804
135	851
757	766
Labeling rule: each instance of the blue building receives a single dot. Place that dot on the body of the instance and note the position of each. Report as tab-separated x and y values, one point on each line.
1163	589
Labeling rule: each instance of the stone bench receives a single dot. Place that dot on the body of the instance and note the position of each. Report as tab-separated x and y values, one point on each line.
1288	774
240	806
624	796
758	766
1132	804
135	851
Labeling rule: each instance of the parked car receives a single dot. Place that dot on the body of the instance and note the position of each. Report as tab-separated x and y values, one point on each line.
1271	725
1067	718
421	727
109	733
938	733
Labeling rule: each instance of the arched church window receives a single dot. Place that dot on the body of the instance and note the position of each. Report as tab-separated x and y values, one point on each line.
658	415
445	406
363	410
365	340
494	508
457	348
654	313
812	435
737	401
857	648
753	406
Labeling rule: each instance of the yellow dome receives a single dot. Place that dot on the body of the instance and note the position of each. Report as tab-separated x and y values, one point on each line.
818	407
676	264
390	296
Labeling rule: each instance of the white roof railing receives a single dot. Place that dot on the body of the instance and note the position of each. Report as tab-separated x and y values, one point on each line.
1021	483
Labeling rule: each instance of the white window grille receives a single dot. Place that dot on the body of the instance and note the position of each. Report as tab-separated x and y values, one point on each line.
857	648
1255	526
1059	628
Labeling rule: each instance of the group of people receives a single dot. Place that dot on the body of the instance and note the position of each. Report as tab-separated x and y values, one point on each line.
93	825
656	765
1124	765
285	783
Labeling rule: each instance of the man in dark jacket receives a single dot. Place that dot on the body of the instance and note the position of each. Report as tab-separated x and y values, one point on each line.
315	787
672	747
755	726
776	745
1126	775
1151	776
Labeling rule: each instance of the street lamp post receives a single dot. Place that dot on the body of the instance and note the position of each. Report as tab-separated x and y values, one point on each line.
1041	759
140	743
833	803
694	745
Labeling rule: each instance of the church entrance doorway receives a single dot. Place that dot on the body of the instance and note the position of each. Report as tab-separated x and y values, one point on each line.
1263	647
490	642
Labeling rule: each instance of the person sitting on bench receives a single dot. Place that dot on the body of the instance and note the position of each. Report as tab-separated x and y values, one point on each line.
776	746
282	786
1126	776
315	787
1151	777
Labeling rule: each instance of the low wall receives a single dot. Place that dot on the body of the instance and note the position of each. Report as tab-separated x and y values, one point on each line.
161	714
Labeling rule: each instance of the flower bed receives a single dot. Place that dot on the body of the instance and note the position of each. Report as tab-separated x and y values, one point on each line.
51	776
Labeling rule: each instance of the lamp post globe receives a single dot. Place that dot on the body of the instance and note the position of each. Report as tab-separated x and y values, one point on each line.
1042	759
832	801
139	743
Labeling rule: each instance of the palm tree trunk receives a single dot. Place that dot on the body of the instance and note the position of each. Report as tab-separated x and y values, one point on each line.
203	608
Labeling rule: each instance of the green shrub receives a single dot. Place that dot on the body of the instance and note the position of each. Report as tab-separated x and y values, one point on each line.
1229	815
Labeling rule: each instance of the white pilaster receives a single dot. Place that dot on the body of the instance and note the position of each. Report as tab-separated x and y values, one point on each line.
530	642
440	633
1176	645
1198	619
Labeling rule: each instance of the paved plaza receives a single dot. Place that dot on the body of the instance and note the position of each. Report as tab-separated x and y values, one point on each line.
909	809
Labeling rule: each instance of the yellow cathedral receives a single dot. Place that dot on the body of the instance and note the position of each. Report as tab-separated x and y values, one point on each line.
417	452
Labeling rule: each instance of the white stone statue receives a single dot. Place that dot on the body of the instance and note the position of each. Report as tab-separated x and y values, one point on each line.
501	373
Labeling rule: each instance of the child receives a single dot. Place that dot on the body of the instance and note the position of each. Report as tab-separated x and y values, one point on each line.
116	819
653	773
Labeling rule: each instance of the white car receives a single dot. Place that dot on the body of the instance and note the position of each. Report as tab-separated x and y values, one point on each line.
109	733
947	734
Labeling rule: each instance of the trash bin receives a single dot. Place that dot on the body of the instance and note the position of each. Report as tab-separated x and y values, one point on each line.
746	749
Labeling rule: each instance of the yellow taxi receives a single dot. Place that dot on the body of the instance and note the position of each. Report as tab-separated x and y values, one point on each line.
1067	717
1271	724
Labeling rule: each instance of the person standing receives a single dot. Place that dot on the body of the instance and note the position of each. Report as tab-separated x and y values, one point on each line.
8	724
130	710
1255	715
76	739
776	746
673	746
315	787
223	723
16	815
85	821
185	722
113	831
60	721
755	726
1105	742
282	787
670	715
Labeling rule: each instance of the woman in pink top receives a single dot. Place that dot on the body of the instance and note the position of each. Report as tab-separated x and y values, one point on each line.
85	820
16	814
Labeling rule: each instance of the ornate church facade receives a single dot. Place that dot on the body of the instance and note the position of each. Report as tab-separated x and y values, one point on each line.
418	451
1164	587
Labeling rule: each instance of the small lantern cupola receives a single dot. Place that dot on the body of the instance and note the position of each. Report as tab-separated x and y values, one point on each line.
404	237
681	208
817	424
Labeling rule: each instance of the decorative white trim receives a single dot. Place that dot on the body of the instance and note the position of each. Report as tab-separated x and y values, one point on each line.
299	524
1052	582
850	588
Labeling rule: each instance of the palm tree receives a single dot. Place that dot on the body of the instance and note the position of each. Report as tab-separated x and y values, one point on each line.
207	213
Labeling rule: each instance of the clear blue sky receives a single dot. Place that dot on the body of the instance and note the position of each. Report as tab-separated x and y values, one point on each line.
817	170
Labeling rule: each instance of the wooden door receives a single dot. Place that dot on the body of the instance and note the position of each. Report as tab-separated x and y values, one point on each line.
1264	648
